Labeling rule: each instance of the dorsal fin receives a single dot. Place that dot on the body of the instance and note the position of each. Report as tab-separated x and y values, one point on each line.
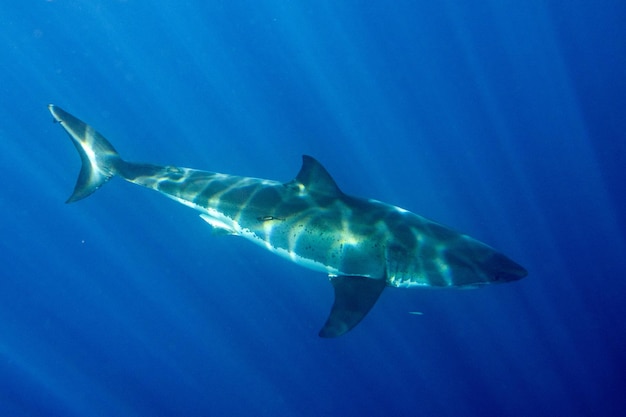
314	177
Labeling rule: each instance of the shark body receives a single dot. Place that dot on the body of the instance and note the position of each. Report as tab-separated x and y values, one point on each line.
363	245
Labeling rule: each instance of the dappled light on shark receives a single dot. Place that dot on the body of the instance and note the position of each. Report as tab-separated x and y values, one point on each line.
363	245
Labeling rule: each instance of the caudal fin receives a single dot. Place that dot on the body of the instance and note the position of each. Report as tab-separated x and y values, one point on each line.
98	156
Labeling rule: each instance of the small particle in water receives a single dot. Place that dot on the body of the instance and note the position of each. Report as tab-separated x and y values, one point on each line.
416	313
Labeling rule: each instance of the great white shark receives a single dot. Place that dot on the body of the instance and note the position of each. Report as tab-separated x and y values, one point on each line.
363	245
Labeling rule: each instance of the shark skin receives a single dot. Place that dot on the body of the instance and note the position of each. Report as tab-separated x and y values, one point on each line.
363	245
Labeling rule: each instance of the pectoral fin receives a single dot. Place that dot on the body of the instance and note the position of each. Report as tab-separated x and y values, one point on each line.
354	297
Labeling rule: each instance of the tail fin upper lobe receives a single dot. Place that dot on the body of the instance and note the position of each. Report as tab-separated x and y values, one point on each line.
99	158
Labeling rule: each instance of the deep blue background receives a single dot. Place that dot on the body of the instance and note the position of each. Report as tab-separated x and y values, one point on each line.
503	119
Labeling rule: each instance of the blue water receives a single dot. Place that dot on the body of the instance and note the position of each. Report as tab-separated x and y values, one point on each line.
502	119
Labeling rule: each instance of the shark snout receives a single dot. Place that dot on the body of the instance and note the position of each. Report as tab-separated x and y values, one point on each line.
504	269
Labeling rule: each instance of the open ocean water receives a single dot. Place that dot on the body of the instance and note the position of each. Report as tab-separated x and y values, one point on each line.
503	119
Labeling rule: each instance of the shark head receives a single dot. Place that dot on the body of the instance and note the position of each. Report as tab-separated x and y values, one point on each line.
434	256
499	269
484	267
